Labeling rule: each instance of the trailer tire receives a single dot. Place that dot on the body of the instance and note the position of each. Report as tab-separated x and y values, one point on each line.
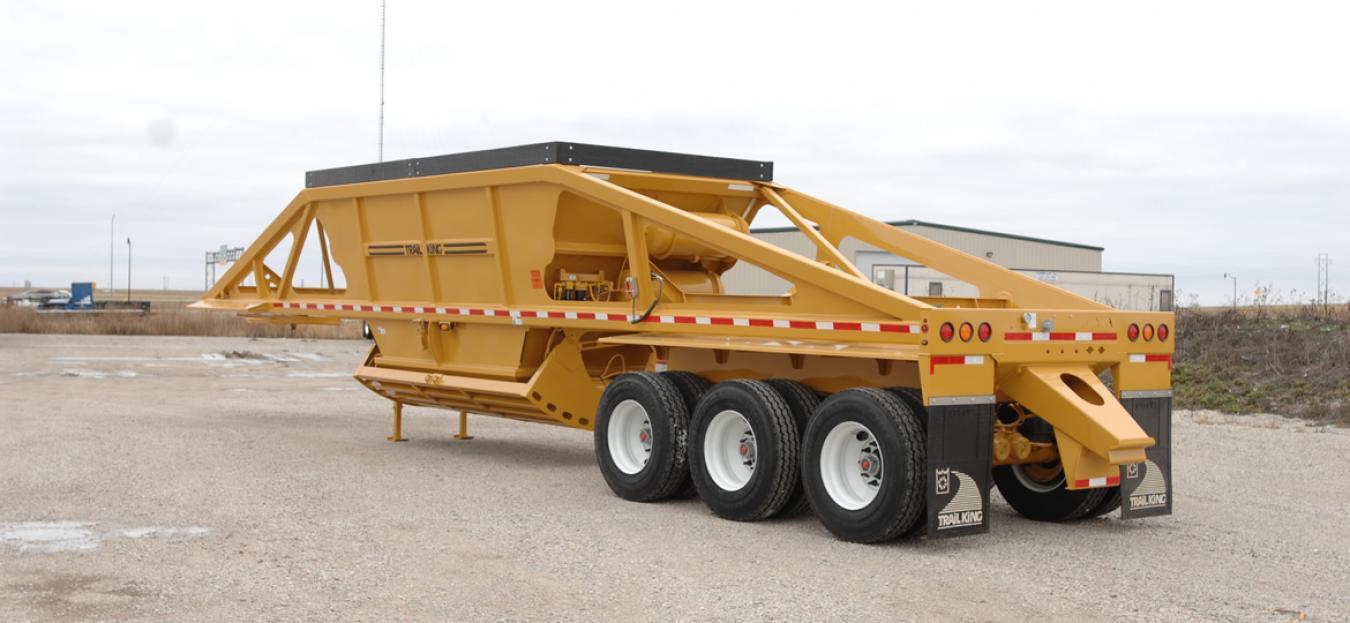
863	465
743	450
691	387
1108	504
913	399
802	402
1046	499
641	430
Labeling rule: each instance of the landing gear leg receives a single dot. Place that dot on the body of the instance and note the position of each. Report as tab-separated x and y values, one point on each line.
398	423
463	434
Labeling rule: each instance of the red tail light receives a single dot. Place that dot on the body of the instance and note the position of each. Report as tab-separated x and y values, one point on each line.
1162	332
947	331
1133	332
986	332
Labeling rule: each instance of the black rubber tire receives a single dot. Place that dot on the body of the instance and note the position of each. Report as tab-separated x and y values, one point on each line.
900	501
691	387
914	400
1058	504
1110	502
667	467
802	402
776	442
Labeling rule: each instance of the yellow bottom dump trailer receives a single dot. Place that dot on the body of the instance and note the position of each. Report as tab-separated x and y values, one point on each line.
580	285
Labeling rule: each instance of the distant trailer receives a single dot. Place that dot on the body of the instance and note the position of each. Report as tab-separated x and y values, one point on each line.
81	301
581	285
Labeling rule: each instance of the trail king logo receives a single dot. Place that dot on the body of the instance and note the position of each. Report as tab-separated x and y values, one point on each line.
966	508
1152	492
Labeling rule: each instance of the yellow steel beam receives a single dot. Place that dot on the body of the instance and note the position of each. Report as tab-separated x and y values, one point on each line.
993	281
783	263
823	246
1075	402
894	352
323	249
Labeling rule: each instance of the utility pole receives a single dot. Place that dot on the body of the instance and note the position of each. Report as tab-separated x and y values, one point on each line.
382	9
112	288
128	269
1324	282
1234	278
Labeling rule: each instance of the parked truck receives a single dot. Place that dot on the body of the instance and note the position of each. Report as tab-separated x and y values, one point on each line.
580	285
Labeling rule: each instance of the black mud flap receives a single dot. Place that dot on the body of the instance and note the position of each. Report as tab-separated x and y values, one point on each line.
1146	488
960	468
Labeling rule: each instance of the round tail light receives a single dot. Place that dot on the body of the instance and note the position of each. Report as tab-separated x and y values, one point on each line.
1133	332
967	331
1163	331
1148	333
986	332
947	331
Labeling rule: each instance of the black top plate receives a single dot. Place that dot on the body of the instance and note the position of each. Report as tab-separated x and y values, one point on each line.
546	153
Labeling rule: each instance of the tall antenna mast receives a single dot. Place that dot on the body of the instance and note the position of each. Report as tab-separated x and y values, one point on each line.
382	8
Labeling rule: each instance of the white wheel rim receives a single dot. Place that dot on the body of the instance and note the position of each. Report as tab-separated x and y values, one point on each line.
1034	485
629	437
729	450
850	465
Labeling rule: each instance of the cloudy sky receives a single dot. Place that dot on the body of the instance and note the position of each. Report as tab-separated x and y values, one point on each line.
1195	140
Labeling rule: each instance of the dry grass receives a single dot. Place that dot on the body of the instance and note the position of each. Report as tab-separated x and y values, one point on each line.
1290	360
170	321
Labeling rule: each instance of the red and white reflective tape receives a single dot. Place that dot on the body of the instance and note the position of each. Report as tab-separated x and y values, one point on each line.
1155	358
1092	483
954	360
1059	336
517	314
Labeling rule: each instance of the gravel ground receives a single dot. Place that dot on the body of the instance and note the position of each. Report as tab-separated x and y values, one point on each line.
226	479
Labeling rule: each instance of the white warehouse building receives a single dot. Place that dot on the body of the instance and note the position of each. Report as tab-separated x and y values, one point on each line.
1072	266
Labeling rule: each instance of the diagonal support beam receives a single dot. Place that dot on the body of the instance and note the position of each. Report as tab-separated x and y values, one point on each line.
994	281
823	246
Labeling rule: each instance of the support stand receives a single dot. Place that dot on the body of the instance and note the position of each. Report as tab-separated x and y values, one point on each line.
463	427
398	423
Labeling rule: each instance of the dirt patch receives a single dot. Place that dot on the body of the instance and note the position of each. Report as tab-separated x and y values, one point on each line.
73	596
243	354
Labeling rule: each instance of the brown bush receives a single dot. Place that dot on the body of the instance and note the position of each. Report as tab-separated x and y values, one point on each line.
1290	360
163	321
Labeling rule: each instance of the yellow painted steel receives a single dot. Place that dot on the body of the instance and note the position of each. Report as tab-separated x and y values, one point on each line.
519	292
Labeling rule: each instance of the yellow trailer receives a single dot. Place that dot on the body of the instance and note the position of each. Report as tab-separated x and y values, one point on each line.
580	285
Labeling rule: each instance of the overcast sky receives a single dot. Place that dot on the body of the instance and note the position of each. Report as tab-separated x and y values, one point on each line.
1196	140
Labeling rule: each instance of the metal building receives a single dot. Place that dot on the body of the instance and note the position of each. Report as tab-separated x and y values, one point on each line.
1072	266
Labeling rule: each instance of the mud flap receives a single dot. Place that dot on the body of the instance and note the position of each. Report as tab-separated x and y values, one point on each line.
960	468
1146	488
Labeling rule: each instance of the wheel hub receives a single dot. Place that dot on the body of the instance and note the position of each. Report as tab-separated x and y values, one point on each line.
730	450
748	449
850	465
870	465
